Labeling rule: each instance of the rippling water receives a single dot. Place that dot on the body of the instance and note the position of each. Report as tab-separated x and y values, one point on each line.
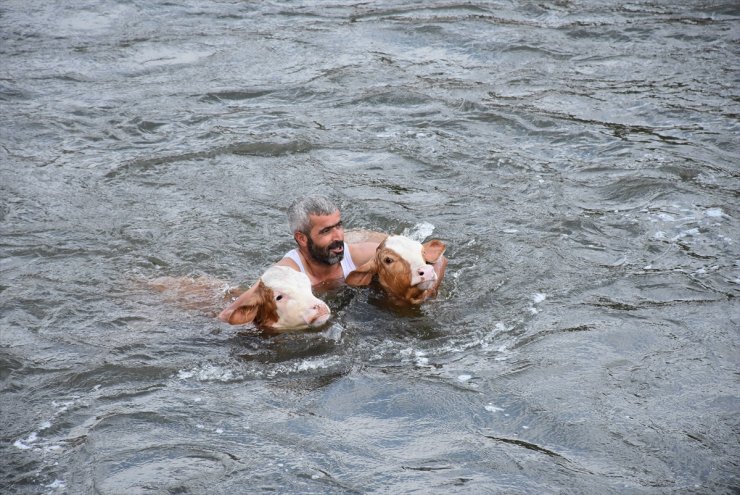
579	158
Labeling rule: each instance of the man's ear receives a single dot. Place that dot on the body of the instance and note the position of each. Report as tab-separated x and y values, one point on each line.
362	275
301	239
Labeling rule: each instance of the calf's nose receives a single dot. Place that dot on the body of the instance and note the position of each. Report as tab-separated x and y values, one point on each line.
426	272
317	315
321	308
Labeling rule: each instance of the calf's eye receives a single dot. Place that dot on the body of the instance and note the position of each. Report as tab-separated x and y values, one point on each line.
388	261
278	297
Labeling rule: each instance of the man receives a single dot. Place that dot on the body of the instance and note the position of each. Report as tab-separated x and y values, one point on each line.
321	254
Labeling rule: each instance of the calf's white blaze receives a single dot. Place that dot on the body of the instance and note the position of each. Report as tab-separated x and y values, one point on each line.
412	252
407	249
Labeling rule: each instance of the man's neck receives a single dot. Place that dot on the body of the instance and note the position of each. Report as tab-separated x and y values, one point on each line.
320	272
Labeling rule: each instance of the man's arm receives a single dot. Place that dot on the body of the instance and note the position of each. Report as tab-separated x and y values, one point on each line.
362	244
362	252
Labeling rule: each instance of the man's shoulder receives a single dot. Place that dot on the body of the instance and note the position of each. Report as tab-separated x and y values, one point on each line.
286	261
359	236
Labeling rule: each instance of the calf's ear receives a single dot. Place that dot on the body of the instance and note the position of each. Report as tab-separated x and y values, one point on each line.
362	275
247	306
243	314
433	250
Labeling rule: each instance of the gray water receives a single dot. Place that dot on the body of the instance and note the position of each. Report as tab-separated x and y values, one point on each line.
578	158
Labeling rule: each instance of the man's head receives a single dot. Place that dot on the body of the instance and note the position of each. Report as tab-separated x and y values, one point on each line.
316	226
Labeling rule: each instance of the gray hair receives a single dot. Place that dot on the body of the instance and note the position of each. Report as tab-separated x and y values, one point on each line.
301	208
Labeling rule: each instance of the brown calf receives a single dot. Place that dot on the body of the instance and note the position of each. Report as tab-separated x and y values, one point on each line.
403	269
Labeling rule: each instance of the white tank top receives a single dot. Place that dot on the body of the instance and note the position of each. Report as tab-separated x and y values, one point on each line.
347	264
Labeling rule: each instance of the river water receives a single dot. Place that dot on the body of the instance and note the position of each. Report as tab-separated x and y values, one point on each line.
578	158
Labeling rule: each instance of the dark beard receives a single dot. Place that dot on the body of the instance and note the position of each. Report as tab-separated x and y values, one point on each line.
324	256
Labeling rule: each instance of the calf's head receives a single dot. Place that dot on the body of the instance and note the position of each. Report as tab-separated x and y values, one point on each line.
403	268
283	301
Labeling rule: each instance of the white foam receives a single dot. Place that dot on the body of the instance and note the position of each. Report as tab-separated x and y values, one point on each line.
666	217
505	354
488	341
305	365
464	378
491	408
715	213
334	332
30	442
18	444
209	373
419	357
56	484
61	408
419	232
536	299
313	364
25	443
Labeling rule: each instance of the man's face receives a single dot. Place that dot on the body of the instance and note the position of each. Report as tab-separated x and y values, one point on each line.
326	239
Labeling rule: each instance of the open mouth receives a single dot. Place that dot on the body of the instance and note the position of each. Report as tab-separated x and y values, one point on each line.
426	284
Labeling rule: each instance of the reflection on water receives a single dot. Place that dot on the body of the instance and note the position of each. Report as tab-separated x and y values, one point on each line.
578	160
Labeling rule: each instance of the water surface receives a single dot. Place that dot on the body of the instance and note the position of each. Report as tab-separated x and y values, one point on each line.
579	159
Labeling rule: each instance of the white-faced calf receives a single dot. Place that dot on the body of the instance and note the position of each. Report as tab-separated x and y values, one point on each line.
281	300
404	268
